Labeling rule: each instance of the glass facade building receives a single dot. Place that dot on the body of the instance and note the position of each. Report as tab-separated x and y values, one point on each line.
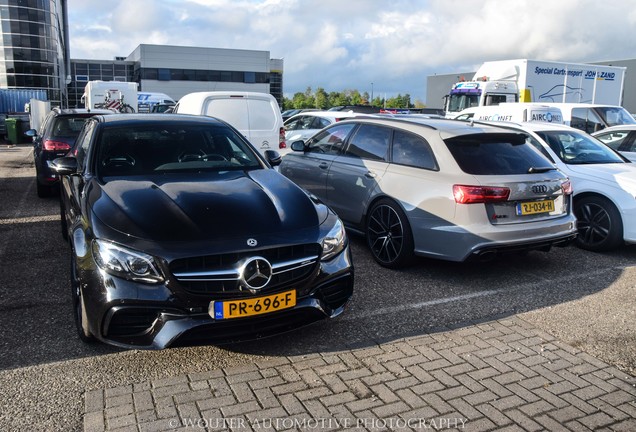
36	56
34	48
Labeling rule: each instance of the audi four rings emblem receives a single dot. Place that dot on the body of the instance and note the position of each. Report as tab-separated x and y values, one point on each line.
539	189
252	242
255	273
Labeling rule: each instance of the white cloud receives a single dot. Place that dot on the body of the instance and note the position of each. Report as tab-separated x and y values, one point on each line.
338	44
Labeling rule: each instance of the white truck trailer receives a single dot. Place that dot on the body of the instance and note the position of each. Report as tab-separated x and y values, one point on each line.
524	80
116	96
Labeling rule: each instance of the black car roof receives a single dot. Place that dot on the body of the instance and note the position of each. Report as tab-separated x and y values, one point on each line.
77	111
154	118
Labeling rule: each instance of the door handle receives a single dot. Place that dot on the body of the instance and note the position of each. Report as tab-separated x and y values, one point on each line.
323	165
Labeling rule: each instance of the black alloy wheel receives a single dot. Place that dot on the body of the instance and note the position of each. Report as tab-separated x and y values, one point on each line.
63	222
599	224
42	190
389	235
79	311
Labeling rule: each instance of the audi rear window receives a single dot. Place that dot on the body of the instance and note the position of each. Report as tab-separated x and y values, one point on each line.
496	154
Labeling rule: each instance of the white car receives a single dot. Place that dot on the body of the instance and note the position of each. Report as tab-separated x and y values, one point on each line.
304	125
621	138
604	183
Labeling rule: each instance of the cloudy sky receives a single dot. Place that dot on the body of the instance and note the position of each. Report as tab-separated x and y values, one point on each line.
349	44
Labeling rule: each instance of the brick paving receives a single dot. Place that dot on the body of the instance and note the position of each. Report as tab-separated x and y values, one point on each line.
504	375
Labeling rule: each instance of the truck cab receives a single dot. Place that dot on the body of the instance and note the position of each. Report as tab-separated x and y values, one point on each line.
469	94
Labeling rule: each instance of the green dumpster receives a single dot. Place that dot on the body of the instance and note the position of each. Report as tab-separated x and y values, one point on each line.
14	132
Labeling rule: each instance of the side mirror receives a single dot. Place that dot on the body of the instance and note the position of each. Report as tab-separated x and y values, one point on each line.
273	157
65	165
298	146
31	133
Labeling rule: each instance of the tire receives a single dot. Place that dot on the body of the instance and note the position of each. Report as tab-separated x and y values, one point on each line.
599	224
63	223
79	310
389	235
42	190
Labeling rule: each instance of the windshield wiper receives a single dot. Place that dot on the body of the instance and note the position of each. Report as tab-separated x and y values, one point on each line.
533	170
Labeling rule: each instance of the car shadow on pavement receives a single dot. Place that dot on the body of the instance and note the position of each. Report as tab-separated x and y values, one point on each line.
387	305
434	296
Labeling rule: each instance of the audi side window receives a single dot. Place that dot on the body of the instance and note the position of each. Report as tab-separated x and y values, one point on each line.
370	142
331	140
412	150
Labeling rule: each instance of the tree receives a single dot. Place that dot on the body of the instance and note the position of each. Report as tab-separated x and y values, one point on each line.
298	100
287	104
377	101
322	99
355	97
338	99
419	104
399	101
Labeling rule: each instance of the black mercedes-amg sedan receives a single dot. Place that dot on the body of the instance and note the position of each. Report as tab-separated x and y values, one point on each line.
181	232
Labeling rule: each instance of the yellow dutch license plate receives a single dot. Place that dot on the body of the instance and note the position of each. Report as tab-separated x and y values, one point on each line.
534	207
253	306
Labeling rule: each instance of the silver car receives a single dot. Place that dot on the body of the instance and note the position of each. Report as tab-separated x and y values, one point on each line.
303	126
437	188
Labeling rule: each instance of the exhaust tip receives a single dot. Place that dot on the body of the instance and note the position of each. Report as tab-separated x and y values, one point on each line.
487	256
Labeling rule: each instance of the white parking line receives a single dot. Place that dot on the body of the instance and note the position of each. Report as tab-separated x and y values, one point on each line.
19	206
30	219
410	306
526	287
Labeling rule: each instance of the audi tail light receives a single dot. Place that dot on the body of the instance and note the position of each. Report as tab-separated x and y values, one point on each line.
479	194
53	145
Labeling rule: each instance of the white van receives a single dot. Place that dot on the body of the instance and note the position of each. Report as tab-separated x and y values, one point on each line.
513	112
256	115
593	117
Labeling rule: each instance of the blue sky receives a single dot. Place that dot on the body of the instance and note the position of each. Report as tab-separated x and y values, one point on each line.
349	44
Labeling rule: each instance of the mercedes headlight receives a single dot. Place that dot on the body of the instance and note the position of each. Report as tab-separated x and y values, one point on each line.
125	263
334	242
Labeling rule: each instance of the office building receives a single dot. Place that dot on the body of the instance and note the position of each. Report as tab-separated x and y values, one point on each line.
179	70
36	55
34	47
